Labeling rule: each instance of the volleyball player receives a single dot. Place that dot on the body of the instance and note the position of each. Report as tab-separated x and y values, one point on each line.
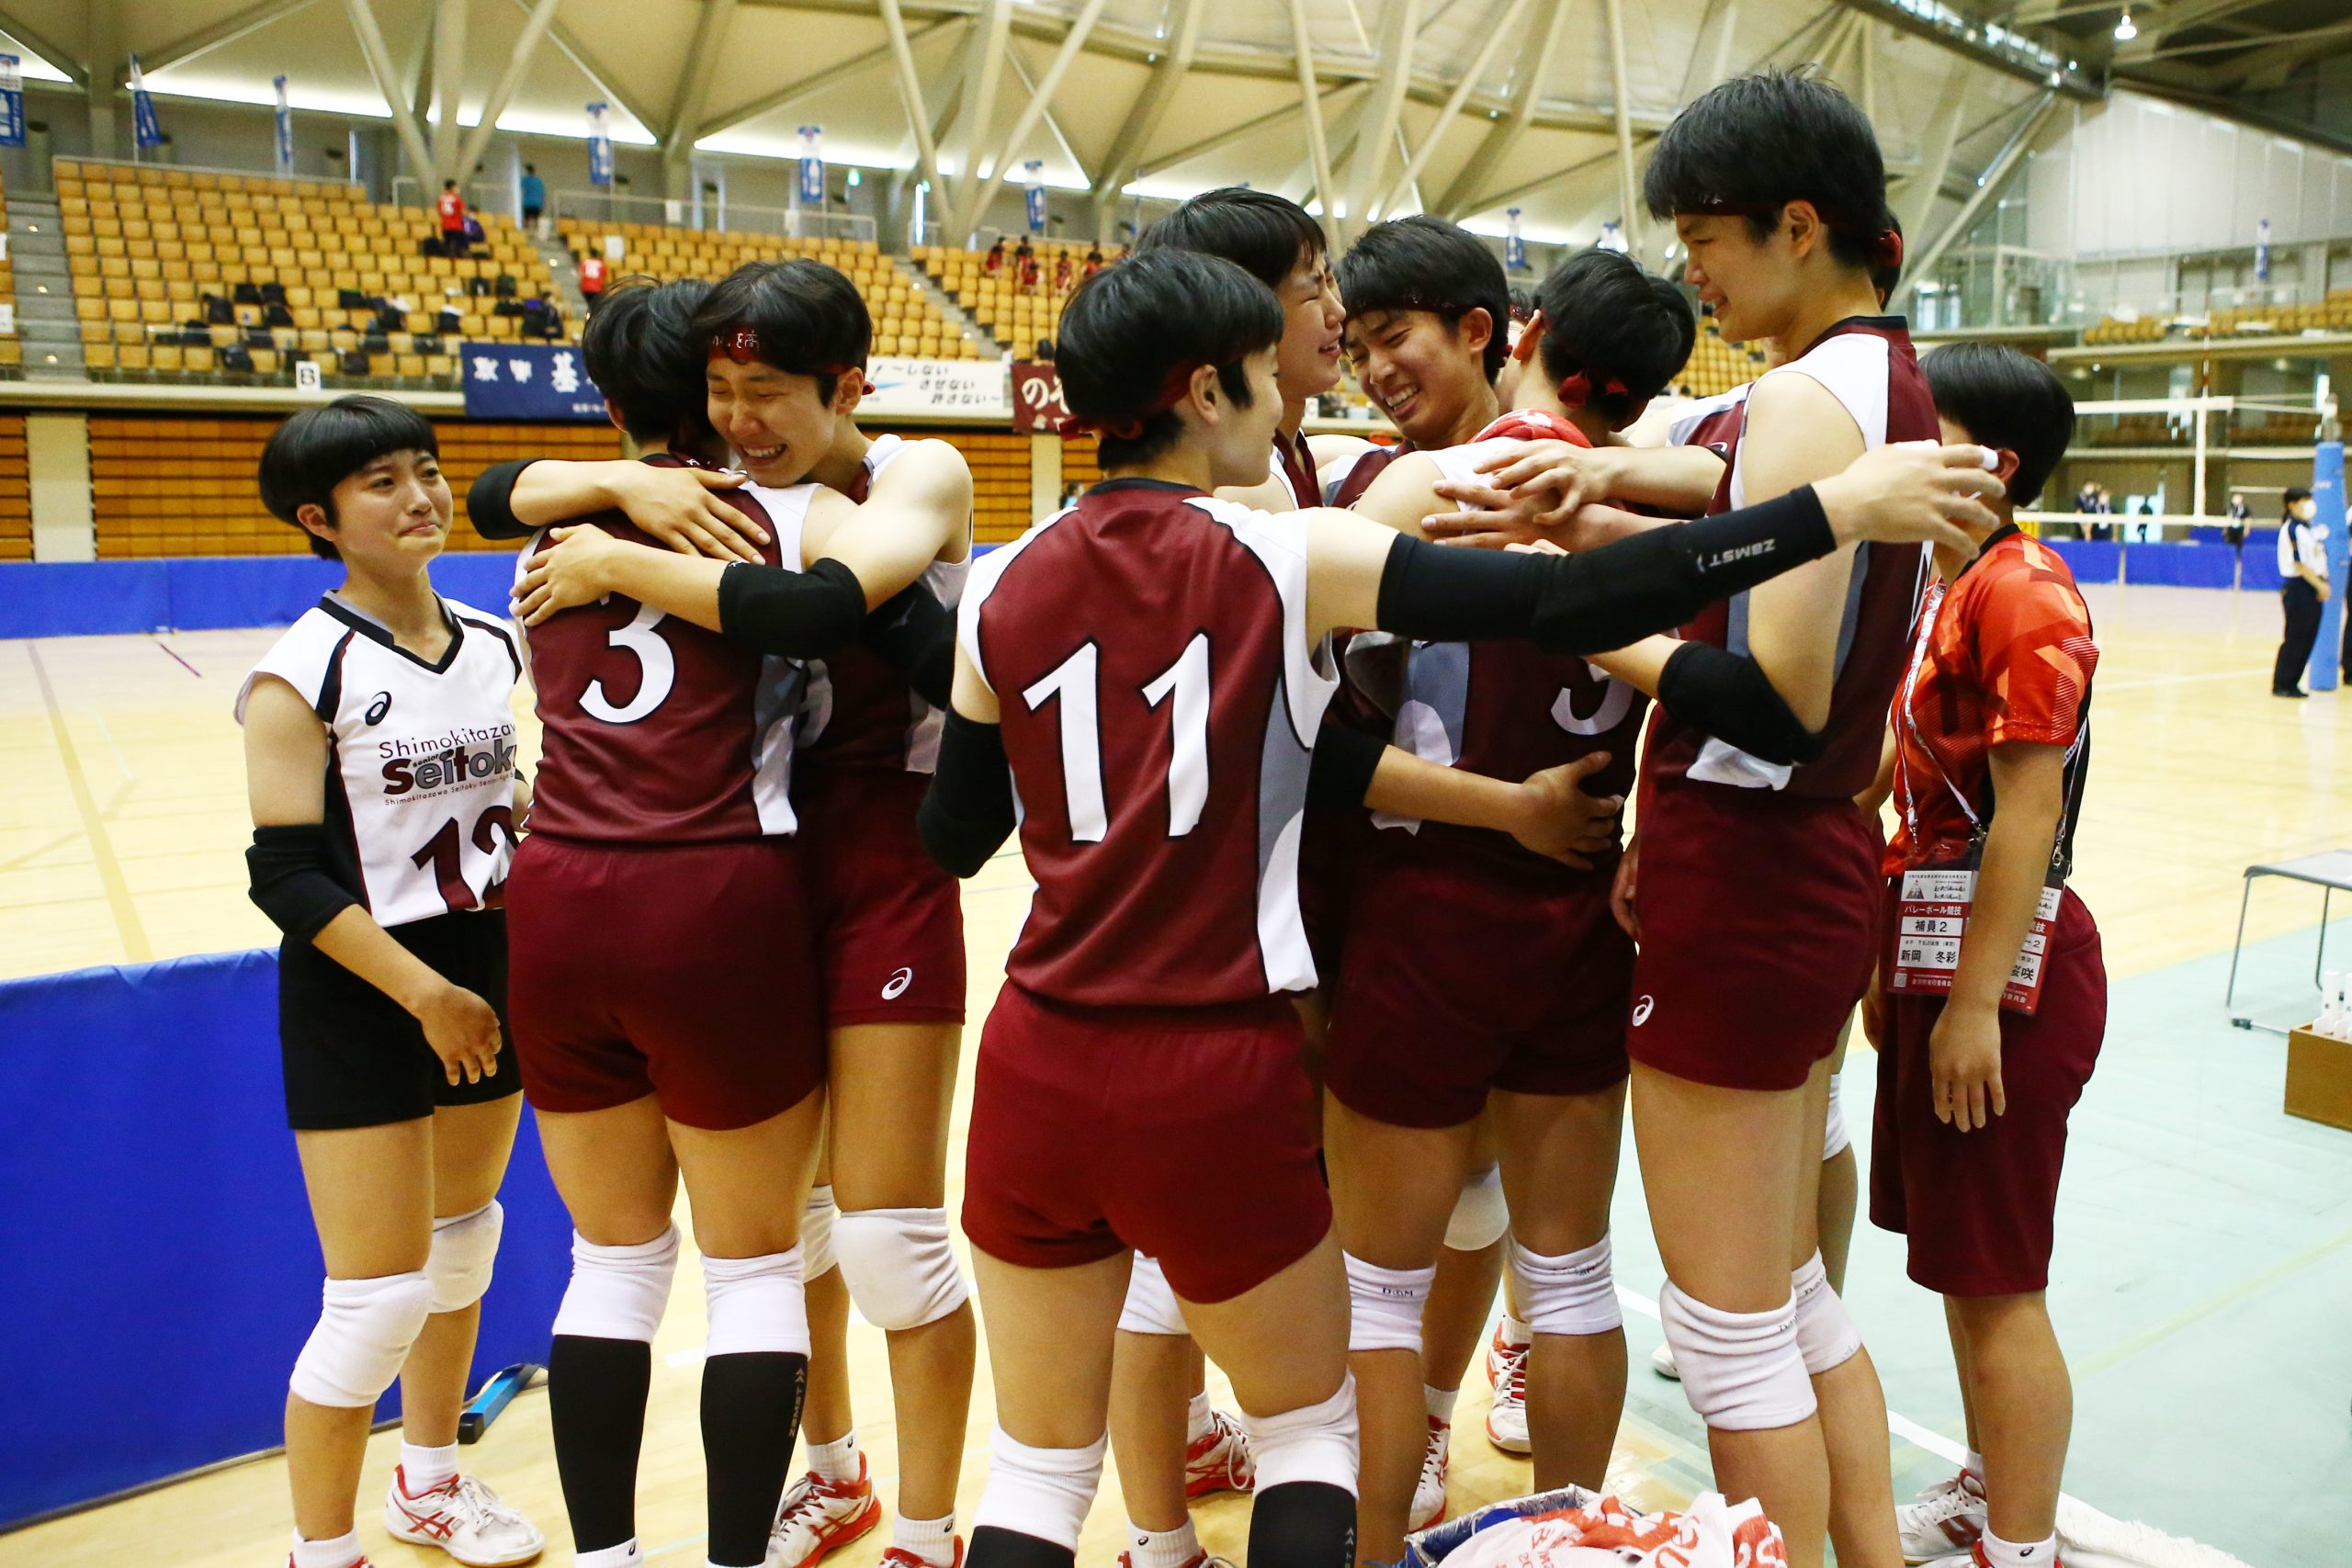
903	1259
380	757
1986	759
1138	1020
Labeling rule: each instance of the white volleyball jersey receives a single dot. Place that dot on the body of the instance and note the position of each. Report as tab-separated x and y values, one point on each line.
420	784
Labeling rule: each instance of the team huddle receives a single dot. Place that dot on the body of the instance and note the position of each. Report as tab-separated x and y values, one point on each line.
1338	977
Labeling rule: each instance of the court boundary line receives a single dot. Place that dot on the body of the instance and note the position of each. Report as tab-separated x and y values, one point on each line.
136	948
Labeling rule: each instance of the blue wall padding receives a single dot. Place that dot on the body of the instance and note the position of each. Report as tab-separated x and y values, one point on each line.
2189	565
162	1270
2091	560
195	594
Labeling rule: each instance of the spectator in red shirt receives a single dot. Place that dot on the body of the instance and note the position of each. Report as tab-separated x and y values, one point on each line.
995	262
592	279
452	208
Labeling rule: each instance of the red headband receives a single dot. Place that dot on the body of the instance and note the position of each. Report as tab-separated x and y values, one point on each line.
1128	426
1886	246
742	346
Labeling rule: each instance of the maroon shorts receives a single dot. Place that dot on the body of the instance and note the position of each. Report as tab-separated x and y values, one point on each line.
1979	1207
684	971
1463	976
1759	920
1185	1133
1332	843
889	921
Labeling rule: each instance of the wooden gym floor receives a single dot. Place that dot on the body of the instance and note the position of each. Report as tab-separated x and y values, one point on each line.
121	830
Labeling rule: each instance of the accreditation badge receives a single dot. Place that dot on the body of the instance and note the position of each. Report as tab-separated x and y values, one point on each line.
1931	916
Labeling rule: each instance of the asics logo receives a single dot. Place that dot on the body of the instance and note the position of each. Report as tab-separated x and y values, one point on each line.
380	705
1641	1011
898	984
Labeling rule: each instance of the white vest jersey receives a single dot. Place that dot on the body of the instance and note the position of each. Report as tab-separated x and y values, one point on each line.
419	785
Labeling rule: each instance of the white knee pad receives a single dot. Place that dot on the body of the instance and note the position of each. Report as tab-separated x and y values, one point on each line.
1043	1493
898	1265
1742	1370
1151	1306
1826	1336
464	1247
1315	1442
817	1233
365	1329
1384	1305
1572	1293
1834	1139
618	1293
1480	1215
756	1304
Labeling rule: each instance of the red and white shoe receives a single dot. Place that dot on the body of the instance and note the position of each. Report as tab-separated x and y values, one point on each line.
464	1518
1198	1560
1428	1492
1948	1519
900	1557
818	1517
1507	1417
1218	1461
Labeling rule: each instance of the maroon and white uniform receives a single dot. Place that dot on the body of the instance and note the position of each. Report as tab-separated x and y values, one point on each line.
1758	892
1159	698
890	921
661	934
1427	963
1293	464
1712	422
1337	837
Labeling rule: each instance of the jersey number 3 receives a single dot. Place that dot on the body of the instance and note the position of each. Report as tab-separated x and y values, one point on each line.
1182	688
657	671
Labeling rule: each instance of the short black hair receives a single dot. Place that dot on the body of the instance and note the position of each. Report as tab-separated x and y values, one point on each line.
319	448
1606	317
1753	144
1423	262
448	184
2005	398
808	318
641	351
2294	493
530	168
1128	328
1263	234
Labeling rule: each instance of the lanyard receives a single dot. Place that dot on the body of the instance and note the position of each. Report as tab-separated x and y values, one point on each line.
1906	791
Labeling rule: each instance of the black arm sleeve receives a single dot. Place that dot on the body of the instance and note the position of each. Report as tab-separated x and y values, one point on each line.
491	503
1341	772
1601	599
290	882
914	633
967	813
1729	696
800	614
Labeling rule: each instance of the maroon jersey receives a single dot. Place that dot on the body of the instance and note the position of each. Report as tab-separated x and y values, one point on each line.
1712	422
860	715
1507	710
656	731
1294	466
1867	362
1368	468
1149	653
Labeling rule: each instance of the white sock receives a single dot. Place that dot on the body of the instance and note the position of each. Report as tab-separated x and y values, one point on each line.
1517	1335
933	1540
1974	1466
2020	1554
626	1555
340	1552
1439	1402
1162	1549
836	1461
1196	1417
424	1469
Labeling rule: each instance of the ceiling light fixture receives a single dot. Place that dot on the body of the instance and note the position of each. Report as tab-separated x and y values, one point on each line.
2124	31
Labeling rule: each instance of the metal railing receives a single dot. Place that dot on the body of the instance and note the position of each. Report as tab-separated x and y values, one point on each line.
717	217
80	158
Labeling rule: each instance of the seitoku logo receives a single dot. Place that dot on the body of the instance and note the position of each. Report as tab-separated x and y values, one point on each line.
377	706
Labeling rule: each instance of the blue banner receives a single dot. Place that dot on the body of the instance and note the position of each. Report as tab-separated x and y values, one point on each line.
599	146
12	101
284	130
1514	247
1036	171
528	380
812	163
2262	252
2327	490
146	131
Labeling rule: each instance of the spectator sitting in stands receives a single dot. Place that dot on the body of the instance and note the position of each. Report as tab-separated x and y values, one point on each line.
452	208
994	262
